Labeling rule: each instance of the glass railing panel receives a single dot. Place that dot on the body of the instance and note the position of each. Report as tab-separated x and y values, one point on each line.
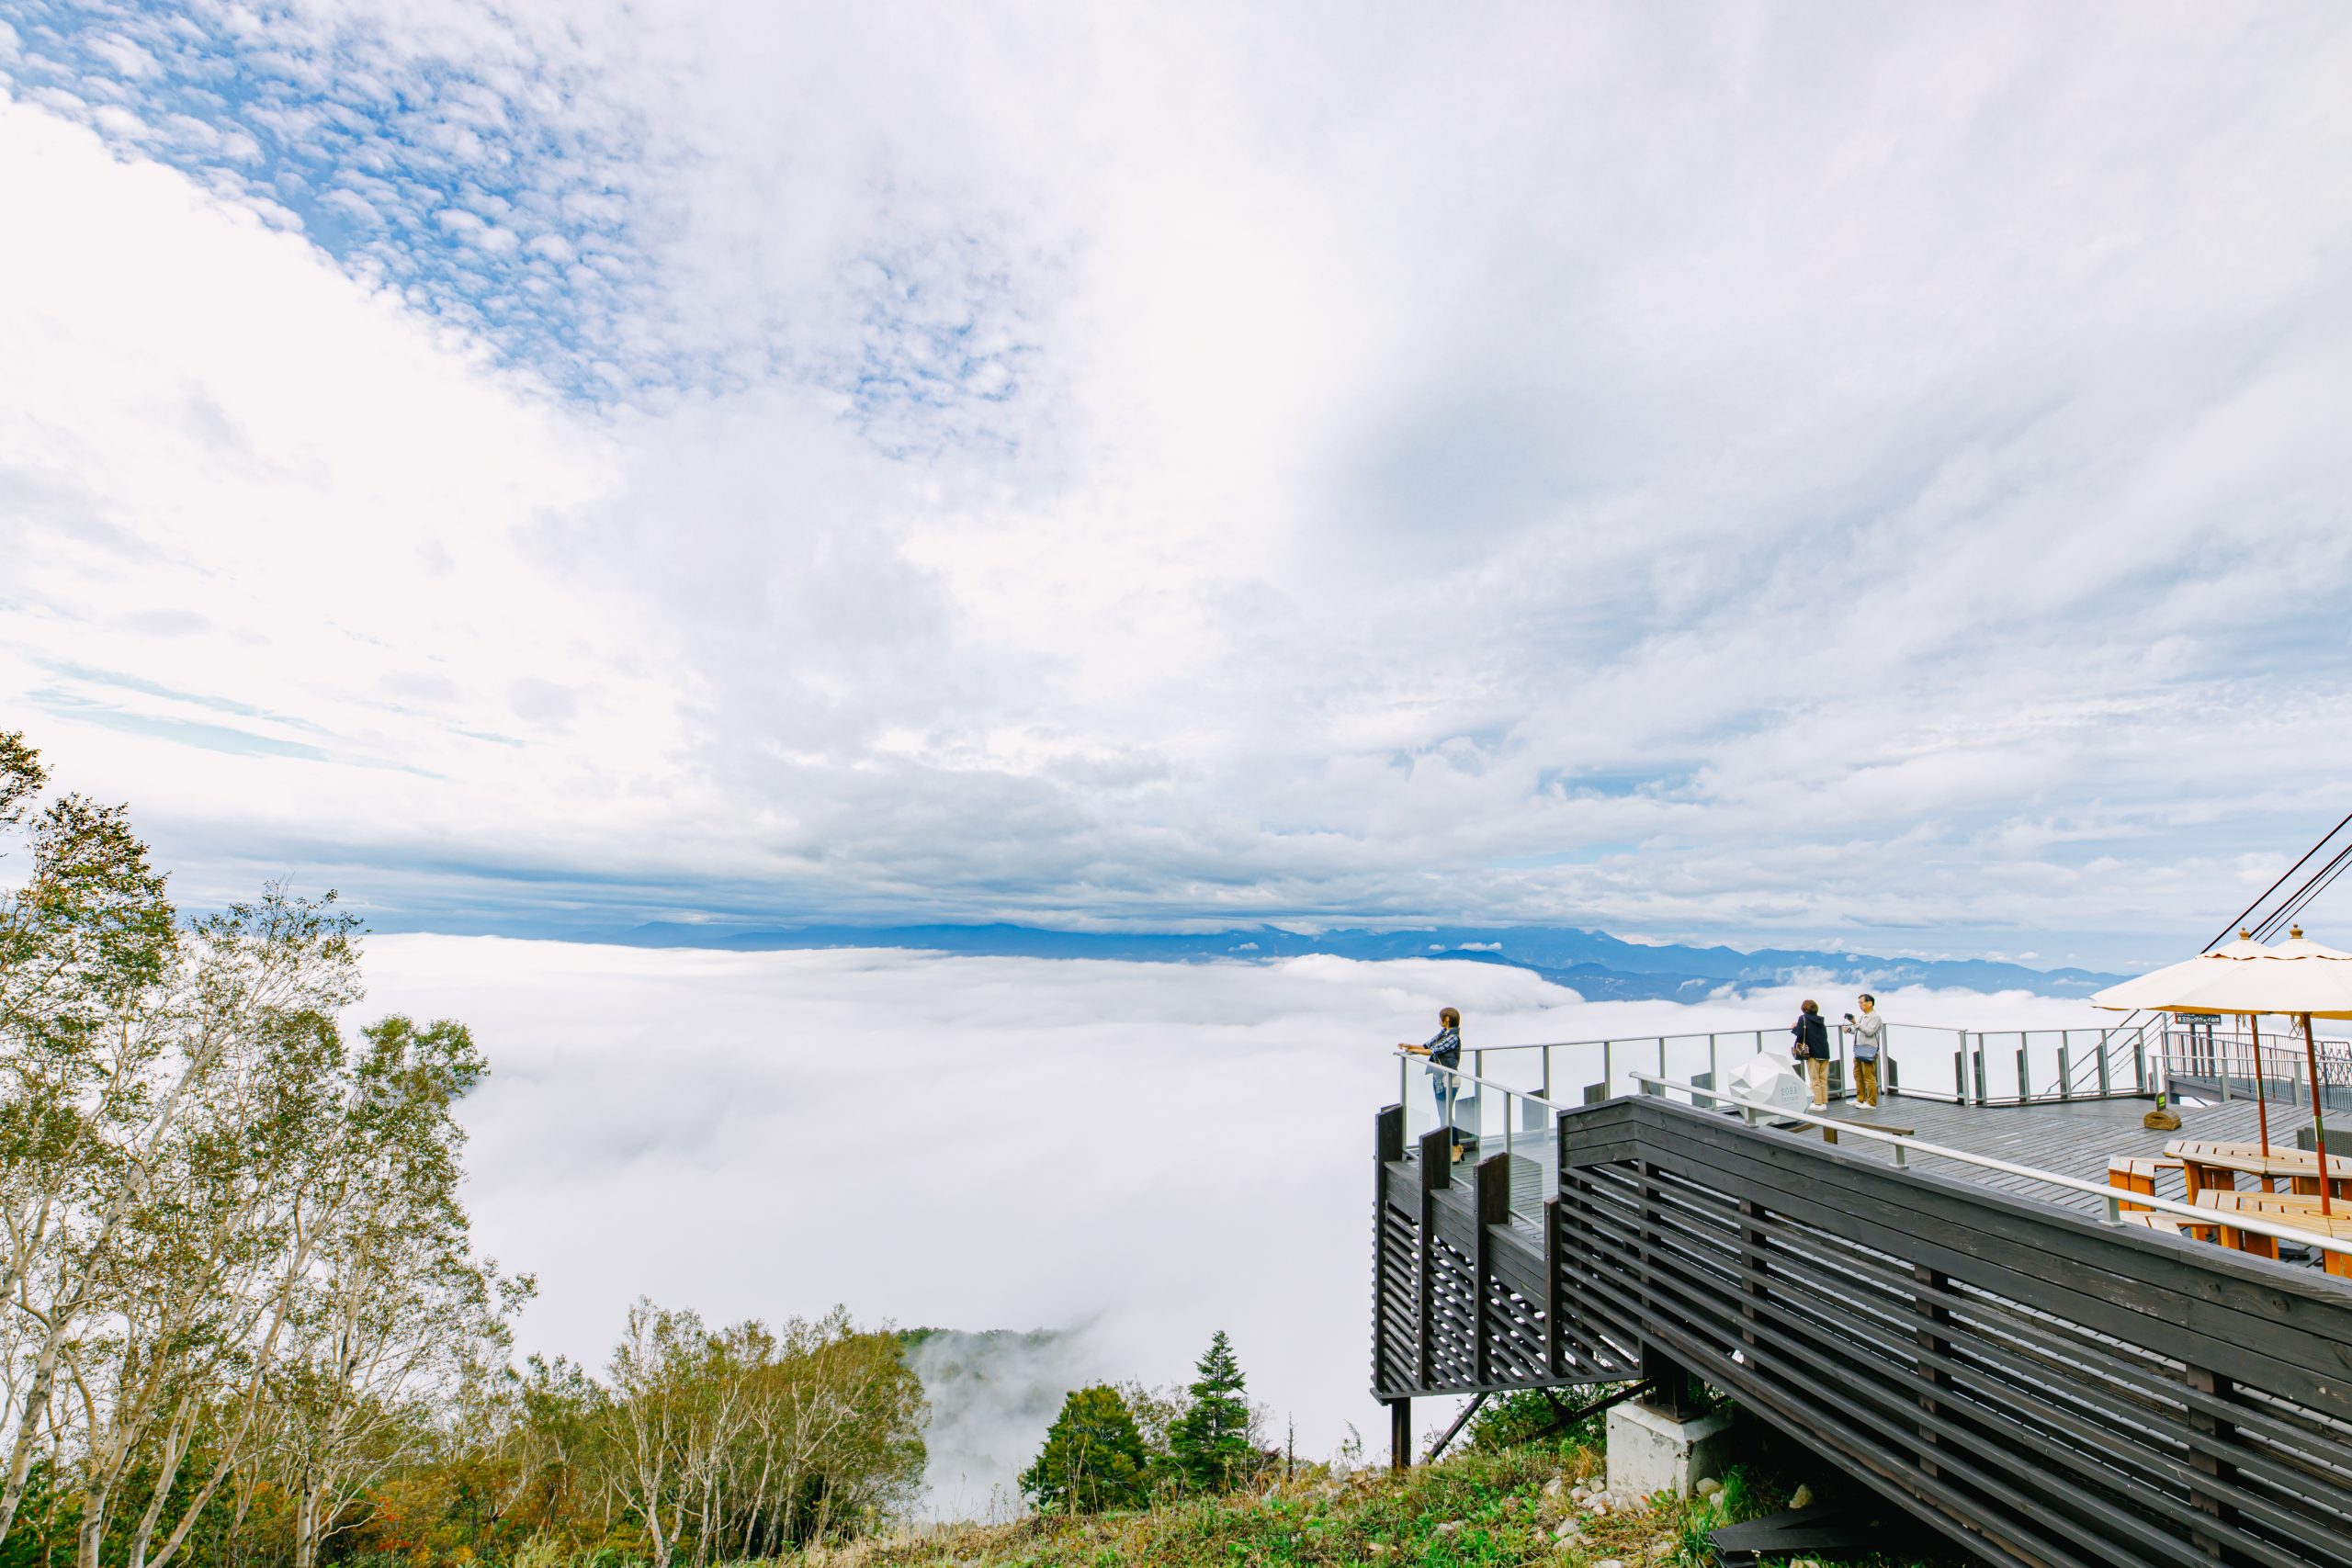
1426	1090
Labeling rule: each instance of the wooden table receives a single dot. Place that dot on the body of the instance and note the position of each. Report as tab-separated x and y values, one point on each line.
2219	1165
2298	1211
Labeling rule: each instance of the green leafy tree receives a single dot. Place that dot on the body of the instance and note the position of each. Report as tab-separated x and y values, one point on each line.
86	939
1211	1440
1093	1458
242	1320
1156	1410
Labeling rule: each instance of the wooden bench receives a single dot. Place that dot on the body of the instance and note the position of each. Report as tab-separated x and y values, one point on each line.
1829	1134
2139	1174
2170	1224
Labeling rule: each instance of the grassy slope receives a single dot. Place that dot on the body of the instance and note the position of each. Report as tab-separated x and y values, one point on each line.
1494	1503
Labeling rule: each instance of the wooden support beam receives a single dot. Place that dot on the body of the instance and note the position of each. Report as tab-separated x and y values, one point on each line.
1494	1209
1387	1146
1555	1303
1454	1431
1437	1174
1934	1349
2212	1434
1669	1381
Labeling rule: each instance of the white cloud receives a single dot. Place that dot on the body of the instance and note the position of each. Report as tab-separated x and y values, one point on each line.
1145	1152
1875	482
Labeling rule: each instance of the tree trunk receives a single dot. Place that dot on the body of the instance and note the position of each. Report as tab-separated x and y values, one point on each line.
20	1462
306	1529
90	1538
175	1447
72	1293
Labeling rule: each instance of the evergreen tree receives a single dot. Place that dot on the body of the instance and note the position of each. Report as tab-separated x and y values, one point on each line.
1093	1458
1211	1438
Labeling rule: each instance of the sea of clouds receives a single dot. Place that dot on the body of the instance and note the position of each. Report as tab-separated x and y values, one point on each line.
1135	1154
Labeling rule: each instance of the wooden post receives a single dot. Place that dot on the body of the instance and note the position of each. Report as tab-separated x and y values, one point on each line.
1437	1173
1400	1433
1934	1318
1752	1267
1647	1238
1672	1392
1555	1303
1494	1209
1388	1145
2203	1459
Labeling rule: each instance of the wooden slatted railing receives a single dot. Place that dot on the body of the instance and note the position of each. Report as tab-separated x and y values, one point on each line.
2044	1388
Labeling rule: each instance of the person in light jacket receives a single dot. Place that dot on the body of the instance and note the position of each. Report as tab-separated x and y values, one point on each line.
1869	1037
1812	1049
1444	1051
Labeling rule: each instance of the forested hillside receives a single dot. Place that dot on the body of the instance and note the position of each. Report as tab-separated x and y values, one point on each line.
244	1320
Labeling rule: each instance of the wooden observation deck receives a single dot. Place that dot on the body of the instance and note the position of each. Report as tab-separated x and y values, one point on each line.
1988	1350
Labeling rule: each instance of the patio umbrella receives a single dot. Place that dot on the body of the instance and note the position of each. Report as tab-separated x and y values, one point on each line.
2297	978
2177	980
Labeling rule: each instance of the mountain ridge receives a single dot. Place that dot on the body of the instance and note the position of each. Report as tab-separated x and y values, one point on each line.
1598	965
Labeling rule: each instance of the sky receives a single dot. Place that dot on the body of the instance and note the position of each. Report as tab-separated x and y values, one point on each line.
1843	476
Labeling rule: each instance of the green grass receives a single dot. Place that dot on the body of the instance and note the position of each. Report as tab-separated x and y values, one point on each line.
1479	1509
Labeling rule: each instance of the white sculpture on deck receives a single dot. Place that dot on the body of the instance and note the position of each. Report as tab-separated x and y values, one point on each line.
1767	1080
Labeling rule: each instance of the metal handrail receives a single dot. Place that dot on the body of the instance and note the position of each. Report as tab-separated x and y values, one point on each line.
1773	1029
2110	1048
1907	1142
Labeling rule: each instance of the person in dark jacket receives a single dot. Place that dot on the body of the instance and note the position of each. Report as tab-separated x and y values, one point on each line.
1444	1051
1811	1050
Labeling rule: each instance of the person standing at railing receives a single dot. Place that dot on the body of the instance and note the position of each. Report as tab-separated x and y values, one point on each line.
1870	1034
1812	1048
1444	1051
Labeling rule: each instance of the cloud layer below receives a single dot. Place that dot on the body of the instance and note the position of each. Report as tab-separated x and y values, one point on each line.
548	467
1138	1152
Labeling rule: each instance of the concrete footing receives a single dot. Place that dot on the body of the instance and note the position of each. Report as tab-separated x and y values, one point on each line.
1651	1451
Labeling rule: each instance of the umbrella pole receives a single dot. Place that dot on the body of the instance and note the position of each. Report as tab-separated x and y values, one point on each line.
2261	1104
2319	1126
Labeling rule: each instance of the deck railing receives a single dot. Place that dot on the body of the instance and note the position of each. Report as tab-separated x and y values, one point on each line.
1928	1061
1495	1119
1906	1147
2229	1066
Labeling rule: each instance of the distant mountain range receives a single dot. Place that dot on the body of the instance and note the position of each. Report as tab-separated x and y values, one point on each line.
1598	965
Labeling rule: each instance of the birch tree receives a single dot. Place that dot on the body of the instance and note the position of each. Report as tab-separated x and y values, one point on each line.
85	943
734	1442
397	1311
